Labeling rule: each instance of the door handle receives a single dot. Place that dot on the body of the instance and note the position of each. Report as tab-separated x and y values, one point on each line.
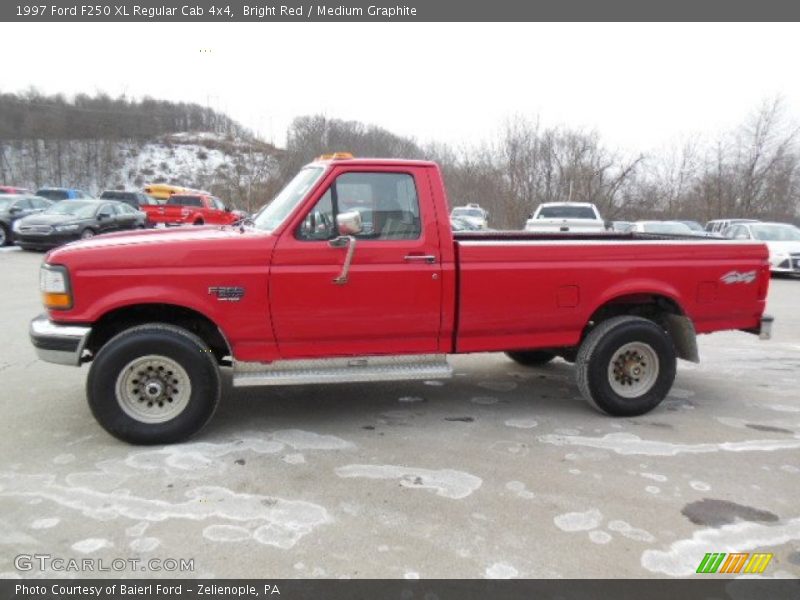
427	258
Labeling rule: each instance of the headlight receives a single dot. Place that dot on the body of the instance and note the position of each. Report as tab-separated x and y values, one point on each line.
15	226
63	228
54	285
779	257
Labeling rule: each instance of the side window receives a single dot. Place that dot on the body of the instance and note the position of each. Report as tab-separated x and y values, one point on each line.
218	204
23	204
388	204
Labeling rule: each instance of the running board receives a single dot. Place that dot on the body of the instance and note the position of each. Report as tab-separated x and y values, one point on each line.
342	370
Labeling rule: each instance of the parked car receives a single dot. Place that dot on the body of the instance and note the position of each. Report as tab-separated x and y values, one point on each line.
10	189
58	193
14	207
163	191
782	240
459	224
192	209
554	217
71	220
718	226
662	227
304	296
473	214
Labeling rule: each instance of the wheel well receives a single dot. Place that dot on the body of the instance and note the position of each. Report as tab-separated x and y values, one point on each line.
120	319
649	306
662	310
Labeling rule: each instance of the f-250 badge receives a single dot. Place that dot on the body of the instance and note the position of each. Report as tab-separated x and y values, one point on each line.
737	277
227	294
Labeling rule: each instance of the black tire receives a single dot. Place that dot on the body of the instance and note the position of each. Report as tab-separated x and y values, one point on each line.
531	358
199	222
5	235
600	348
87	233
174	343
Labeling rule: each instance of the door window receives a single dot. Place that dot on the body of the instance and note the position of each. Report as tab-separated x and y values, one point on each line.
388	204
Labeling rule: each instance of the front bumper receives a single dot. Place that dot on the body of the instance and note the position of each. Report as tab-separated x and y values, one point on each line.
59	344
44	242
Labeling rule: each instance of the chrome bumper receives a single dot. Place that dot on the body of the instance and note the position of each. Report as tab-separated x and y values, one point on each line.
59	344
765	331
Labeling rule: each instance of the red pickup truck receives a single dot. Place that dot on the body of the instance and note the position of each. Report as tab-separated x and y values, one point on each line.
352	273
191	209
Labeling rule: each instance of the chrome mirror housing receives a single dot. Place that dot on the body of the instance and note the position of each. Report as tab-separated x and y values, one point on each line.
349	223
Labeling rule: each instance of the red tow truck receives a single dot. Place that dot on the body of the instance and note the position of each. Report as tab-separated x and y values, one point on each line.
191	209
352	273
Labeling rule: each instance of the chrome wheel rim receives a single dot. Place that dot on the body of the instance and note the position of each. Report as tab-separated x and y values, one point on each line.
87	234
633	370
153	389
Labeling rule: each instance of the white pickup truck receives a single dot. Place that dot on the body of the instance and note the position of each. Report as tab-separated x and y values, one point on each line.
554	217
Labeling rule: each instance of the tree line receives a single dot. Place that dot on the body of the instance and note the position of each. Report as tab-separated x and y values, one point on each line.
33	115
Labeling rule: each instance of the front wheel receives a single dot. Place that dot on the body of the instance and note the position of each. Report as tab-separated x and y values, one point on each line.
626	366
154	384
5	236
87	234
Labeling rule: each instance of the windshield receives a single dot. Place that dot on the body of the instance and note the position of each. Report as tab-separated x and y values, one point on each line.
775	233
81	210
666	228
277	210
693	225
468	212
566	212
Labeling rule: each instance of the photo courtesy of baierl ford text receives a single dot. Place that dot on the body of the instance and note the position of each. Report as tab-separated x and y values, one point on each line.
423	300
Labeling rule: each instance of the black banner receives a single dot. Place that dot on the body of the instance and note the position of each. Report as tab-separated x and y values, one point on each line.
300	589
399	10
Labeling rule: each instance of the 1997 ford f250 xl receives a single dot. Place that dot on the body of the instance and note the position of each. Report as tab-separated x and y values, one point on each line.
353	274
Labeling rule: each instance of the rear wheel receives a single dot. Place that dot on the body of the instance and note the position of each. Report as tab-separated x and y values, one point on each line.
531	358
87	234
199	222
626	366
154	384
5	236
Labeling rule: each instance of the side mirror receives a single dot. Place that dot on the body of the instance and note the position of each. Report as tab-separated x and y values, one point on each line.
349	223
228	208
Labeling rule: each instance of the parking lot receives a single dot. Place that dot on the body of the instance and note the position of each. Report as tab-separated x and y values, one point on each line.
503	471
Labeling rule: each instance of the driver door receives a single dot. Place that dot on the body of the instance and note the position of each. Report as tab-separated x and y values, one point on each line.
391	301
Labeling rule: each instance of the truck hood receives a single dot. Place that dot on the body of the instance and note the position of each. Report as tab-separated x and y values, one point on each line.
181	246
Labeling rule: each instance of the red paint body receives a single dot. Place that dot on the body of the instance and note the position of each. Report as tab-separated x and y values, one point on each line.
484	292
175	213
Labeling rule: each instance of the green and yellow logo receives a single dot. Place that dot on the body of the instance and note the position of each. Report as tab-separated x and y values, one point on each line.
735	562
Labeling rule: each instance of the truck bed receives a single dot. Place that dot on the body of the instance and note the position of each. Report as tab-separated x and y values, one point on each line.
519	289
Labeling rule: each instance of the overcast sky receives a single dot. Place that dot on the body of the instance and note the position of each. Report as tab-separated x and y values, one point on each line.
641	86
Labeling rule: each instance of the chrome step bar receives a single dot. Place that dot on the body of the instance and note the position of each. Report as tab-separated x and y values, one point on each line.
342	370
